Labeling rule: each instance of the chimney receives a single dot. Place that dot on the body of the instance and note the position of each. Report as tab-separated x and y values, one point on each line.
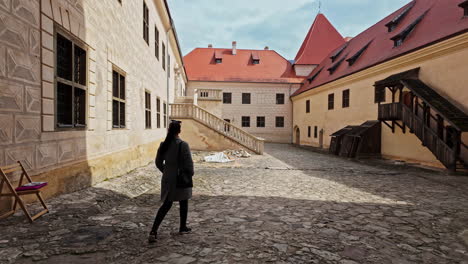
267	48
210	45
234	48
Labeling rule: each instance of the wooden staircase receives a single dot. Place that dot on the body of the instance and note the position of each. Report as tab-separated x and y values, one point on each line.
191	111
449	156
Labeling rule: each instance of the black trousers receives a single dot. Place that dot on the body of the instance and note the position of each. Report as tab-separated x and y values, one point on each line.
164	209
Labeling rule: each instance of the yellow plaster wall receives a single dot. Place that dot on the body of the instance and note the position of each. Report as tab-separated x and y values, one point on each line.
443	67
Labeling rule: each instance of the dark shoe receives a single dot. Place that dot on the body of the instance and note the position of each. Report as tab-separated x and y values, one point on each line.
185	230
152	237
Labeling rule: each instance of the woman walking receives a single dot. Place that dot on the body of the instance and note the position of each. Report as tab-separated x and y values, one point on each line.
174	160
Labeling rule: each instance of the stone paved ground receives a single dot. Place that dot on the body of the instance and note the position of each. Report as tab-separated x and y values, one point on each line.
289	206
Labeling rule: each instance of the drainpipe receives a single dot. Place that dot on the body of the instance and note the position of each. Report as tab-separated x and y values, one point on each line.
292	115
167	73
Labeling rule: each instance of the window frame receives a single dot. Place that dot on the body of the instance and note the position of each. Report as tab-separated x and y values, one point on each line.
246	122
279	121
158	112
75	42
148	119
345	98
380	94
163	61
146	22
281	99
121	74
165	113
260	122
224	98
250	98
156	42
331	101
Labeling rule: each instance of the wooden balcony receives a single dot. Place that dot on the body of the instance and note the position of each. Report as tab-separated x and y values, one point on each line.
390	112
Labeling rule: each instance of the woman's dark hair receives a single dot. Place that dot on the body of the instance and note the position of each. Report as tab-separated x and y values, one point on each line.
173	131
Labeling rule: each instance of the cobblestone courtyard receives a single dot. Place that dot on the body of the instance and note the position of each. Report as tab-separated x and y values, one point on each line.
289	206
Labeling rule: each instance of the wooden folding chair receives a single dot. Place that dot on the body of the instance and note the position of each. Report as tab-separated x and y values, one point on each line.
4	171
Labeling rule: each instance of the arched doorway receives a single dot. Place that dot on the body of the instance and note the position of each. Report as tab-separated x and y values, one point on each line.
297	138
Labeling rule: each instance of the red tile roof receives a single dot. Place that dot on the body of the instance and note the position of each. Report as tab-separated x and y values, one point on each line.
201	66
443	20
321	39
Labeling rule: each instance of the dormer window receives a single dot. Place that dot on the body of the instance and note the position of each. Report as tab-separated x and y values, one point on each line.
312	78
255	58
218	57
392	25
333	68
400	38
464	5
358	54
338	52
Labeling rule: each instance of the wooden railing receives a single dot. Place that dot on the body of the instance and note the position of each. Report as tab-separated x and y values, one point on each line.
190	111
390	111
397	111
210	94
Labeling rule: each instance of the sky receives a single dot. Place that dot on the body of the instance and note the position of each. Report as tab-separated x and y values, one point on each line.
279	24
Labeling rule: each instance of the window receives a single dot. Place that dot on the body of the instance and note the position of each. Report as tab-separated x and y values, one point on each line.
118	100
227	98
279	121
120	1
246	121
338	52
71	84
163	55
227	127
218	56
396	20
156	42
218	61
331	101
158	113
309	132
260	121
280	99
145	23
165	114
245	98
312	78
379	94
464	5
255	58
333	68
346	98
204	94
358	54
315	131
400	38
147	110
256	61
168	65
308	106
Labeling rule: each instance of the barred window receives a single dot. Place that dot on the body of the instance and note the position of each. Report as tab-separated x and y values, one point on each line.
147	110
71	83
246	121
118	100
279	121
280	99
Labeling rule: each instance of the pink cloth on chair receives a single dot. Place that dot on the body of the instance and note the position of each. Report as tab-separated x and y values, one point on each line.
31	186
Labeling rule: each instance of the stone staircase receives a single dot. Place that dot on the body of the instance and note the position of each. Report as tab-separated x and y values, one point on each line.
215	123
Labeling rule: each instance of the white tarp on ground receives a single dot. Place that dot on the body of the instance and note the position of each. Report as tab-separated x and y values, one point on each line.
218	158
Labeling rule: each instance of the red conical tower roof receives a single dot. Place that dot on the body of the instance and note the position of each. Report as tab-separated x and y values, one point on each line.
320	41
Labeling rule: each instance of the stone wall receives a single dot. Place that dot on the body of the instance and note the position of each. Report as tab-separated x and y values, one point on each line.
111	33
